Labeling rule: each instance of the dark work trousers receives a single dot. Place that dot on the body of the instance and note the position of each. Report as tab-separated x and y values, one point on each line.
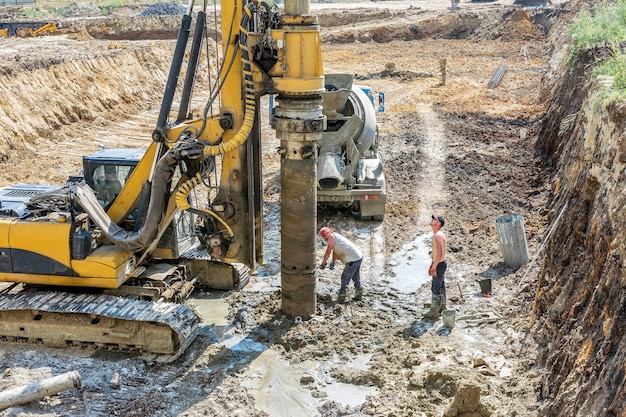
352	271
438	286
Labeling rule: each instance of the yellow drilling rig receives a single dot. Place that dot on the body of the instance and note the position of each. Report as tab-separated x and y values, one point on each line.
109	259
27	29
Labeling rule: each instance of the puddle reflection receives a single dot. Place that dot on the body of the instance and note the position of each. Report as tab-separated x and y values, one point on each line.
410	265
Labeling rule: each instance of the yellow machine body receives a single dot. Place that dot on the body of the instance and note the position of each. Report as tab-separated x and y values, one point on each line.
40	252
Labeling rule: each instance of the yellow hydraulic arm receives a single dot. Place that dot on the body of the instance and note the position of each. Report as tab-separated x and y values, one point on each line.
25	29
251	32
49	27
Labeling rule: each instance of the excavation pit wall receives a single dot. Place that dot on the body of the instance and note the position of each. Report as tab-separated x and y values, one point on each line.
580	305
511	23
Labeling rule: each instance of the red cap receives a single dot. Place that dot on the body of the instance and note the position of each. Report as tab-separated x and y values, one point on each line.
325	232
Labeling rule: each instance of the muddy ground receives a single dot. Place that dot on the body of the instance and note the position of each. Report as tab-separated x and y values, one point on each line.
460	149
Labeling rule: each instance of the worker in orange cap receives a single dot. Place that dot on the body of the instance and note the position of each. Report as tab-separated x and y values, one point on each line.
350	255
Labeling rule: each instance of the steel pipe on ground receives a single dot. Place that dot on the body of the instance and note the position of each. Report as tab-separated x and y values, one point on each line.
39	390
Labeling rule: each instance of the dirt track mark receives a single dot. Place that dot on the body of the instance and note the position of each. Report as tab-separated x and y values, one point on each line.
431	186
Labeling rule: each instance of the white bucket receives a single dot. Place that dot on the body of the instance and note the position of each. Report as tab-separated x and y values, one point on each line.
448	318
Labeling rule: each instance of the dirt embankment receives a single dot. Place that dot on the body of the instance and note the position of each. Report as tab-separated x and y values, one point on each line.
581	300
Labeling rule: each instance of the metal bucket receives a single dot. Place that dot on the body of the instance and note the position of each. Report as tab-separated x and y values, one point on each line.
485	286
448	318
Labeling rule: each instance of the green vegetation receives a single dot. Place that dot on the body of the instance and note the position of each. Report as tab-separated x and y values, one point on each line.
606	28
35	13
616	68
56	8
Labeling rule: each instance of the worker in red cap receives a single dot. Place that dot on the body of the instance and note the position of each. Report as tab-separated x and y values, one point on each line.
437	268
348	253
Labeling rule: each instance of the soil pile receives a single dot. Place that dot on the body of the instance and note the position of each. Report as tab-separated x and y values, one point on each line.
161	9
82	9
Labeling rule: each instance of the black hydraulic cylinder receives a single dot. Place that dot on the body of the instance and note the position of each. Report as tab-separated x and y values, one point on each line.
172	79
192	67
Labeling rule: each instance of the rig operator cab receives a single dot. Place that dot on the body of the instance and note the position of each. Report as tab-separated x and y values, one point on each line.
107	170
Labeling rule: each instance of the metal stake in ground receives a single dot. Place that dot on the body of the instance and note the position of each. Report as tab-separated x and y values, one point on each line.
442	67
524	52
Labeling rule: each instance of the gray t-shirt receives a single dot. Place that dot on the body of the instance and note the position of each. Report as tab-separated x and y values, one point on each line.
345	250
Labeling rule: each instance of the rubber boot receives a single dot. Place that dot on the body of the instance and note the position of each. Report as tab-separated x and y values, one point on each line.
435	308
341	298
358	296
443	303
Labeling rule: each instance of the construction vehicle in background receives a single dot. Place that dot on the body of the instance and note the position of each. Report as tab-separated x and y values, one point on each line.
27	29
109	259
350	167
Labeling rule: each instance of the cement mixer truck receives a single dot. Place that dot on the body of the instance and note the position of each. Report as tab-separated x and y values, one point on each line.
350	167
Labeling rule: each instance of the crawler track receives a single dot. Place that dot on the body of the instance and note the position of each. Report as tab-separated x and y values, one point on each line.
62	319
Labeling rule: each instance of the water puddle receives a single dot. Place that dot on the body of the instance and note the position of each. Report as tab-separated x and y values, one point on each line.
360	362
347	394
214	314
276	386
244	346
261	283
410	265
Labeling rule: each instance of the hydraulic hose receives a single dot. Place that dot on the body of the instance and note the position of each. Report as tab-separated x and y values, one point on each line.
181	197
141	239
182	203
250	103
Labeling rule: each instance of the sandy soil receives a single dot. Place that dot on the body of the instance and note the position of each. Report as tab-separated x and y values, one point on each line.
462	150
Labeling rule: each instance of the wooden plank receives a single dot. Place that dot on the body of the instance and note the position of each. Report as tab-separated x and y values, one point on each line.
497	76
